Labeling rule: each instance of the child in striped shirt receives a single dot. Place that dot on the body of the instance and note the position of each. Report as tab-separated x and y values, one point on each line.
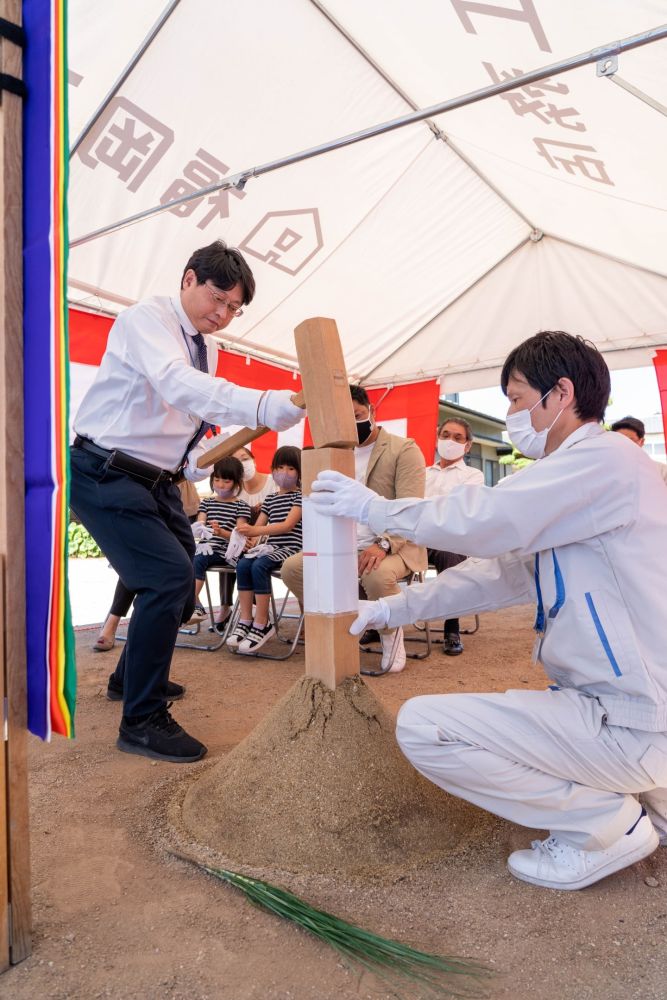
279	521
222	512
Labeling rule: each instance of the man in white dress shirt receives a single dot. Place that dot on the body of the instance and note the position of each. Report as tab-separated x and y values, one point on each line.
583	534
454	443
139	429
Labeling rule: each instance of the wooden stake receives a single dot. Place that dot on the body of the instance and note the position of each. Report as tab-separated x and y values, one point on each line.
15	833
332	654
325	384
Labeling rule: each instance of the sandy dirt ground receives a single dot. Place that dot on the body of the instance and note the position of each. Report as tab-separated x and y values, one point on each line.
116	916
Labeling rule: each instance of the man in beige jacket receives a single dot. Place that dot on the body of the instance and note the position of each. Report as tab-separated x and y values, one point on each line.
393	467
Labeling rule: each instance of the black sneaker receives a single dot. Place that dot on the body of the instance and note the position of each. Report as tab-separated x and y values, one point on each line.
199	614
174	691
220	627
160	737
452	645
256	638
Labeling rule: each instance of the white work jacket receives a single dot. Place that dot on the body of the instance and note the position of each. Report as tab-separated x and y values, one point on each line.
583	534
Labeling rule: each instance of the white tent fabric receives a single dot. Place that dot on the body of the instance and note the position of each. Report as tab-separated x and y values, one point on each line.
436	247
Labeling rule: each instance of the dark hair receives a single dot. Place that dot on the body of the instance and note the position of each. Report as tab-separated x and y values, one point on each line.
228	468
457	420
224	266
551	355
359	395
288	455
630	424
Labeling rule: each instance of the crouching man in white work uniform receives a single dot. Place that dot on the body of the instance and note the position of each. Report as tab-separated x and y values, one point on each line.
583	534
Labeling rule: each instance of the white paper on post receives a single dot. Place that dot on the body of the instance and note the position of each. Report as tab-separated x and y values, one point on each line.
330	571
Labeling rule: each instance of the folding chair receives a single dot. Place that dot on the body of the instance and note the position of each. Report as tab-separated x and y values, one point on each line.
421	626
196	627
277	616
412	578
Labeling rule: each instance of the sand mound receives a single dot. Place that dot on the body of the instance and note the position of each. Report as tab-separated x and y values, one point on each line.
321	786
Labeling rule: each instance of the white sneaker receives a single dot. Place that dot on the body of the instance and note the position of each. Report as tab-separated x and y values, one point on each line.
655	804
199	614
238	635
256	637
557	865
393	651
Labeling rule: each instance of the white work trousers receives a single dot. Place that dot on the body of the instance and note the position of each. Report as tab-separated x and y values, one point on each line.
544	759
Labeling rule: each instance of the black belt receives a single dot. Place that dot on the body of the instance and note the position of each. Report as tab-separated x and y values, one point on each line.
142	472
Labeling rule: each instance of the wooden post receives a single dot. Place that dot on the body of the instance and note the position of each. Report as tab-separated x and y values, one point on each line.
330	590
14	834
332	654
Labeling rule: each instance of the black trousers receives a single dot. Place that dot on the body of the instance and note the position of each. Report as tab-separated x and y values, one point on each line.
148	540
442	561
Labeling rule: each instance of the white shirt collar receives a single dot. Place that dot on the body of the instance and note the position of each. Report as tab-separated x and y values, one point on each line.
459	464
589	429
182	316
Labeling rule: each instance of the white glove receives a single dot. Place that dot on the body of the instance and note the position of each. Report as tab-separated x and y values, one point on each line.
204	549
372	614
333	493
201	530
190	470
277	411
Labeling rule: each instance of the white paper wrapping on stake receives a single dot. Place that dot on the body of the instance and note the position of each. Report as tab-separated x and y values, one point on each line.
330	573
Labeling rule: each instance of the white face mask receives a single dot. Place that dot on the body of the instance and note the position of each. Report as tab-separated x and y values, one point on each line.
450	450
523	435
249	469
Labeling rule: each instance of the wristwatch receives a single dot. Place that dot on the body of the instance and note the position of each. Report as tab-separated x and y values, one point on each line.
384	544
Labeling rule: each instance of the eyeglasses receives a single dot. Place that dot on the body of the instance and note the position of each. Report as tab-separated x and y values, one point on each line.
220	301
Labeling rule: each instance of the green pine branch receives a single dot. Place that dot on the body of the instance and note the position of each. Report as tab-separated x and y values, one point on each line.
393	961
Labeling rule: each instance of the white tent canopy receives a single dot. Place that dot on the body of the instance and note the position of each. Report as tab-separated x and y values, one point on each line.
437	247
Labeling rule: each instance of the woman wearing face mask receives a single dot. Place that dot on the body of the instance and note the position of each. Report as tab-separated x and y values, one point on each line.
279	521
222	512
257	486
454	442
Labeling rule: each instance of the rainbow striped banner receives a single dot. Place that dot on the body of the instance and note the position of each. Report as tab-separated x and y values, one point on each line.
49	634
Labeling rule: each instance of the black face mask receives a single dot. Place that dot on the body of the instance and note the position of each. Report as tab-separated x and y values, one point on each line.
364	430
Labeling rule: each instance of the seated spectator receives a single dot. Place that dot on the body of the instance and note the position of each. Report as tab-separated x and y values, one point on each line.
393	467
256	485
278	527
633	428
454	443
222	512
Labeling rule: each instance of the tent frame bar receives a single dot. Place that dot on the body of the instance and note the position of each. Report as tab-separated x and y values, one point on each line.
435	129
639	94
115	87
239	180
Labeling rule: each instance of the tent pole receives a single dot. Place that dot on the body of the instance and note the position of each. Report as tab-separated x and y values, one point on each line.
136	58
240	179
15	916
